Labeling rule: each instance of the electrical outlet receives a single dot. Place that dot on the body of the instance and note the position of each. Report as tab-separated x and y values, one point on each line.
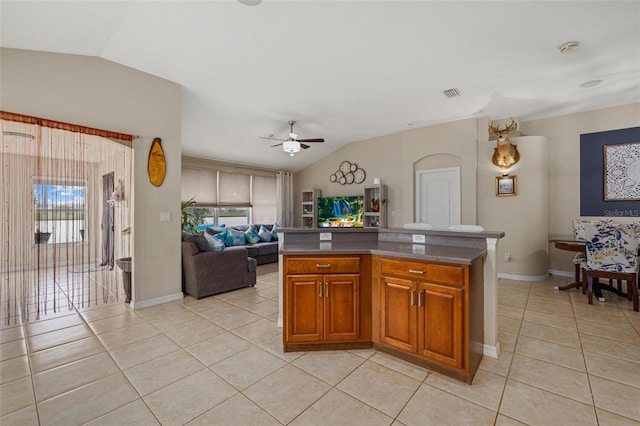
419	238
325	236
507	257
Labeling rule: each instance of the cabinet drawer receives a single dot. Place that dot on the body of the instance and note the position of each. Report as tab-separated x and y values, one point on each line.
323	265
422	271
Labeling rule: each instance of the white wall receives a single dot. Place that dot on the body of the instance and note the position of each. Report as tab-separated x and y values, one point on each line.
93	92
392	158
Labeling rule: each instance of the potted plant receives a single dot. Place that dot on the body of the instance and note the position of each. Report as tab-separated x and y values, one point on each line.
189	218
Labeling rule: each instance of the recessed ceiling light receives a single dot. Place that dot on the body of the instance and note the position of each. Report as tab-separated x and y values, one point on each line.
568	47
590	83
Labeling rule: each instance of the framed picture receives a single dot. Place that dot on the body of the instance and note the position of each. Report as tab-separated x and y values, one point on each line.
506	186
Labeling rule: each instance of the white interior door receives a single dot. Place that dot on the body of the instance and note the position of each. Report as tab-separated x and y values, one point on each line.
438	197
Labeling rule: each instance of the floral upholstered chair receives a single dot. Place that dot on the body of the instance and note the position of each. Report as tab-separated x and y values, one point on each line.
578	235
612	252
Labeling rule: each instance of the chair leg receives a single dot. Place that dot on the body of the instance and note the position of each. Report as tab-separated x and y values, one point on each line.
632	288
590	289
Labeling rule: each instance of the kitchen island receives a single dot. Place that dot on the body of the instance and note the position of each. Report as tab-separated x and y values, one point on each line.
425	302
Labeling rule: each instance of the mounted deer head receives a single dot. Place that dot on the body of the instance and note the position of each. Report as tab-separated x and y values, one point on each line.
505	154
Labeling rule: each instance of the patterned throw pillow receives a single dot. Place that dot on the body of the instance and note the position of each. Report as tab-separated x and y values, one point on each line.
222	237
274	234
235	237
251	235
214	243
264	234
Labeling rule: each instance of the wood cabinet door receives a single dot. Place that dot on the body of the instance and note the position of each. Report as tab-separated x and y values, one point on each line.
304	308
398	313
341	307
440	329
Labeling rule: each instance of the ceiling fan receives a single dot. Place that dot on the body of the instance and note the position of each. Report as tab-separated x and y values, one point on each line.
293	144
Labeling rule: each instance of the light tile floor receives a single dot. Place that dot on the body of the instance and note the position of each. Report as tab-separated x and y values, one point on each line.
219	361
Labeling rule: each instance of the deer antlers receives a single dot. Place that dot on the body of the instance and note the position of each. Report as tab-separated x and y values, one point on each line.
502	134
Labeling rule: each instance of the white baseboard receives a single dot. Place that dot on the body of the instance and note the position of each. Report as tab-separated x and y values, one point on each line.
559	273
157	301
524	277
491	351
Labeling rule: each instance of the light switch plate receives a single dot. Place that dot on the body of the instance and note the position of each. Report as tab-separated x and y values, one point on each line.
419	238
325	236
165	216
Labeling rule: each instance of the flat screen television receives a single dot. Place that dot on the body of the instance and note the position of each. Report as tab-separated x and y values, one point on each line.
340	212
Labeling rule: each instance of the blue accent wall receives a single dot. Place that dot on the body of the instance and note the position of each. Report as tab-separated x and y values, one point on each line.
592	201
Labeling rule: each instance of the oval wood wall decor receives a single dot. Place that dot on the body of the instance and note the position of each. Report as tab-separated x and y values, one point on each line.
156	165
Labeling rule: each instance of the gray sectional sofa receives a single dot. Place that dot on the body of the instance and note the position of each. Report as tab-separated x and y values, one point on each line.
209	269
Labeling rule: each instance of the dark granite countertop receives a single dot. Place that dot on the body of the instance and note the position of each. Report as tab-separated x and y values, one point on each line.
433	253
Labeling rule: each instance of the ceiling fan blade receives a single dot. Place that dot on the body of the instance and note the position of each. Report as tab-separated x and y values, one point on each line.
272	139
278	144
304	146
310	140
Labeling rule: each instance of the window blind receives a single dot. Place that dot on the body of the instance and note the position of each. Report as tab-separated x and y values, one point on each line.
264	199
235	189
201	185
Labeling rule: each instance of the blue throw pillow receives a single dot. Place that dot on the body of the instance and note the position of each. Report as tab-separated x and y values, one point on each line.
264	234
251	235
235	237
222	237
274	234
214	243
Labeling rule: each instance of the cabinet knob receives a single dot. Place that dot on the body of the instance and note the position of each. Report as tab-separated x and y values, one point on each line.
326	289
417	271
323	265
413	297
420	298
320	289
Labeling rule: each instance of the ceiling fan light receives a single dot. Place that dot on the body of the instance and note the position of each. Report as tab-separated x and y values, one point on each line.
291	147
293	135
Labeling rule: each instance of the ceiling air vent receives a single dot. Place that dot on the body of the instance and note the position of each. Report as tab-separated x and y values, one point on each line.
451	93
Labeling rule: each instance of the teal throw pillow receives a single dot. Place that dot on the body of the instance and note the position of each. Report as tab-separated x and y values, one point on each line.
222	237
274	234
264	234
214	243
235	237
251	235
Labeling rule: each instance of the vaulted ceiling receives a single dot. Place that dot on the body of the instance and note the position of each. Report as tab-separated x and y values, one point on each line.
346	70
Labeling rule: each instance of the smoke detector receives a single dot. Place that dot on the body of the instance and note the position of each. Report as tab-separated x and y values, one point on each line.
568	47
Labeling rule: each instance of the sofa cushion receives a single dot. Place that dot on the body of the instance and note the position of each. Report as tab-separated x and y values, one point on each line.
264	234
200	241
267	248
252	265
214	243
252	251
242	228
274	233
235	237
251	235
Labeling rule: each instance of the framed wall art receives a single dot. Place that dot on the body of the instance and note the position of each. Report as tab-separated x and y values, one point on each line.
610	173
506	186
622	171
